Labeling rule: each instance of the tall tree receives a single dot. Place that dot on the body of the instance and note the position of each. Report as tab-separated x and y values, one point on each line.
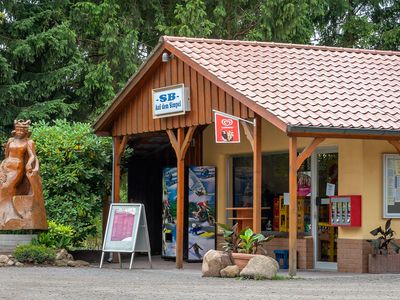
266	20
360	23
39	60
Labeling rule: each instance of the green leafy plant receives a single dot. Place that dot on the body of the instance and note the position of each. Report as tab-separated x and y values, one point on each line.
245	241
75	166
250	242
384	238
231	237
38	254
57	237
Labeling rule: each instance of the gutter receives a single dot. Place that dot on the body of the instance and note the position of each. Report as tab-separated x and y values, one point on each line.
342	131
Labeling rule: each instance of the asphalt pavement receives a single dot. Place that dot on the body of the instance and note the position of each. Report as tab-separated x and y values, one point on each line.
163	281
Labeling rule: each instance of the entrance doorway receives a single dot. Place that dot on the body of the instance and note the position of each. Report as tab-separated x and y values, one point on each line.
324	166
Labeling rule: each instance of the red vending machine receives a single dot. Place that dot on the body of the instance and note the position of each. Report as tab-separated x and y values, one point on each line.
345	211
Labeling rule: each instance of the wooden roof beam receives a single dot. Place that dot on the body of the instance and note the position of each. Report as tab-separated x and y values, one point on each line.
395	144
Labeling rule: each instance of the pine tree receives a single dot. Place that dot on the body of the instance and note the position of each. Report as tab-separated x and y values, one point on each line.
39	62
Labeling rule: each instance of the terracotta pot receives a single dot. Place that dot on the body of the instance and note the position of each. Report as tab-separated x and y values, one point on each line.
380	264
241	259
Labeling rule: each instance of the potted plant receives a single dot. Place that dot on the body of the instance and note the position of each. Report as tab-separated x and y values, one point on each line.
385	257
242	245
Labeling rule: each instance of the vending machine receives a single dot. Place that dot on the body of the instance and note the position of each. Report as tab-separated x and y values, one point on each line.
201	211
345	211
169	187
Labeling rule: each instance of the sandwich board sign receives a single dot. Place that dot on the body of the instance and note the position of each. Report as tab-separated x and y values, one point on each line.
126	231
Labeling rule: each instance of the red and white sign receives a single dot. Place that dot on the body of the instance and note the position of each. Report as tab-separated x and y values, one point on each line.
226	128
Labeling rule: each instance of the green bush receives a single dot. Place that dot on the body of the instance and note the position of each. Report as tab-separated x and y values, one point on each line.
34	254
57	237
75	166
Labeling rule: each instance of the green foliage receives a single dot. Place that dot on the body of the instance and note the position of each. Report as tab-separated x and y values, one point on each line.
76	172
250	242
190	19
384	238
57	237
231	237
360	23
37	254
245	241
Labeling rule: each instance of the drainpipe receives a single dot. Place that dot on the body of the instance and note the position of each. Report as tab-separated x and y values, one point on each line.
110	258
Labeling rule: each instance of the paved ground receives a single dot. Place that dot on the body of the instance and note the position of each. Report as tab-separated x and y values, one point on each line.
165	282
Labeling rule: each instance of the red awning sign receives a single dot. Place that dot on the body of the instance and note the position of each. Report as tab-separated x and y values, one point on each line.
226	128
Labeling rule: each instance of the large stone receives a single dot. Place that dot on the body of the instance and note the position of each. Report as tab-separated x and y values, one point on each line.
10	262
78	263
19	264
213	262
230	271
4	259
260	267
61	263
62	254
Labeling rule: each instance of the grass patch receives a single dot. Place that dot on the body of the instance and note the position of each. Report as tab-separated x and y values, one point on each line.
281	277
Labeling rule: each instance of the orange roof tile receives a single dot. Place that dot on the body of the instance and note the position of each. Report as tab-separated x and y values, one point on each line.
306	86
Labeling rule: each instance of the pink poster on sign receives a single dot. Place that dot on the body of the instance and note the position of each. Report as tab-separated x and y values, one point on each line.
122	227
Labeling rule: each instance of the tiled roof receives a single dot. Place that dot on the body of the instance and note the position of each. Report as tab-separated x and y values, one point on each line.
306	85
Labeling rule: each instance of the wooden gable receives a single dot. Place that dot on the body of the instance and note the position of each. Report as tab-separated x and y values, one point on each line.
136	116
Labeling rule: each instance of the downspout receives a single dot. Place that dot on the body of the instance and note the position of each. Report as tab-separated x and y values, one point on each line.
110	258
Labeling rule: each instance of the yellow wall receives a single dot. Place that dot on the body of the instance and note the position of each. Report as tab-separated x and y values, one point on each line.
360	171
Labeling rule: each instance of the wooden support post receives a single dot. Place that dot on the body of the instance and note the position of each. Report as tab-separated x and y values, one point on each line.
295	163
180	144
395	144
119	148
180	209
292	206
257	175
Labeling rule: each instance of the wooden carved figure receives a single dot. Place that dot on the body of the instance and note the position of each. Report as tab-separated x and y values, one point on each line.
21	194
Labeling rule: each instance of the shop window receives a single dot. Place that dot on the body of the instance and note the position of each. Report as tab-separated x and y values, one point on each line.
275	182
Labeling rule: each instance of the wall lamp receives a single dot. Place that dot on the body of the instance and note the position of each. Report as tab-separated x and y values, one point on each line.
166	57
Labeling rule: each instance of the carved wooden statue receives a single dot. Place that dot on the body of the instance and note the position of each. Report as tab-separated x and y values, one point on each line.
21	194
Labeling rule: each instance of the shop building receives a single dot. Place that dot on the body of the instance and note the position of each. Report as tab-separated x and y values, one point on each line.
327	122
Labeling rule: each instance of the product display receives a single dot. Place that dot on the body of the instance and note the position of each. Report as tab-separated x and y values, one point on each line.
201	211
345	211
169	185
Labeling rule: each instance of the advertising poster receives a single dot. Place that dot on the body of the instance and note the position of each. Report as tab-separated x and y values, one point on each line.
227	129
121	228
304	184
169	186
201	211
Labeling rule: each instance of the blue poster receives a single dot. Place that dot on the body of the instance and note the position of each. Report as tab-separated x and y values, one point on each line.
169	186
201	211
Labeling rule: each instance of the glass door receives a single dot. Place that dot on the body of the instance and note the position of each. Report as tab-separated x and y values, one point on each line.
325	180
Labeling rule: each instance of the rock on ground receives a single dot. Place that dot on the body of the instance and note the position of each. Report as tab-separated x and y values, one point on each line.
77	263
62	254
4	259
213	262
260	267
230	271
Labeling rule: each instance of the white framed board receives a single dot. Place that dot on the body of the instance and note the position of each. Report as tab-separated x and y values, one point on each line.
126	231
391	185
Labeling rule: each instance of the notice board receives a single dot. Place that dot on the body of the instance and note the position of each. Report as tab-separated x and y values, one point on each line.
391	186
126	229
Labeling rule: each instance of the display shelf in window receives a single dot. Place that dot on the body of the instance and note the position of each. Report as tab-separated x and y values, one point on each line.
345	211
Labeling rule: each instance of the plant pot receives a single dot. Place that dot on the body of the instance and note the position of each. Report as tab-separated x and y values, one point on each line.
380	264
241	259
8	242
